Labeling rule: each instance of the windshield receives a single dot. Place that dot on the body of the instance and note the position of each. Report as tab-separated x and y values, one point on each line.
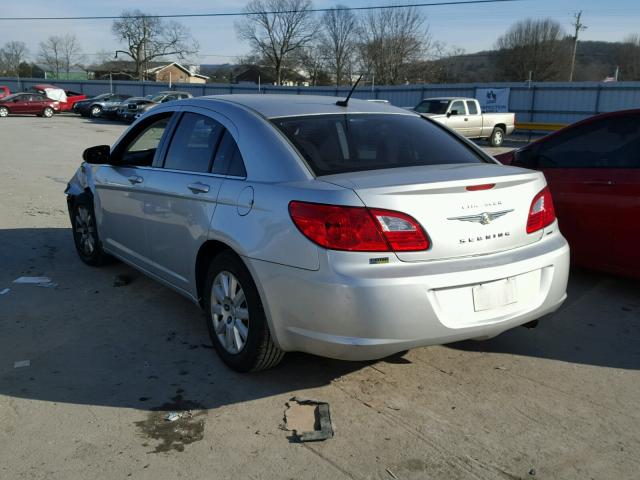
158	98
346	143
9	97
436	107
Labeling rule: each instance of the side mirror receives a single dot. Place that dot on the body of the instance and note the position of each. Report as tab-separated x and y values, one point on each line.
97	155
525	158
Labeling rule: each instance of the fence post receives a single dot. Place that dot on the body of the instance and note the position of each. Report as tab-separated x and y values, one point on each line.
598	90
204	89
532	107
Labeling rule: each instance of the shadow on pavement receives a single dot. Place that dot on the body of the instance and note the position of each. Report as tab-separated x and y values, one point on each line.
137	346
141	345
598	325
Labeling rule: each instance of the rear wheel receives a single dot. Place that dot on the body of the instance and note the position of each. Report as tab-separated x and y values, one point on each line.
235	317
47	112
4	111
96	111
85	232
497	137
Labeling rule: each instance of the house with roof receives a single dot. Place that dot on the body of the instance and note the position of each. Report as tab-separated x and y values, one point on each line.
176	73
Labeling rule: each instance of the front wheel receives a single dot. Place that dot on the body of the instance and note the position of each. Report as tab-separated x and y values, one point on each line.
96	111
47	112
85	232
497	137
4	112
235	317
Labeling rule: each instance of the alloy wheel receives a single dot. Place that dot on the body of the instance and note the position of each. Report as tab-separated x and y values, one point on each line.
229	312
85	230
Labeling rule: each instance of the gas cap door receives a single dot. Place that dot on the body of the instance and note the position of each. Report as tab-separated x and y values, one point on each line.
244	203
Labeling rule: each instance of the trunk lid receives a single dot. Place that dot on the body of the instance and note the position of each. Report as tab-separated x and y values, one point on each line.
459	222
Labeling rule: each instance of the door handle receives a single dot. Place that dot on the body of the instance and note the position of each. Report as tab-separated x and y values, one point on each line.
600	183
198	187
134	179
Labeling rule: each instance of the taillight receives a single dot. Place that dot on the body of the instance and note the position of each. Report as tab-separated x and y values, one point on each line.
541	213
358	229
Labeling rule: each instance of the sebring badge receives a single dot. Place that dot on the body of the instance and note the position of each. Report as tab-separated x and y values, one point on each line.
484	218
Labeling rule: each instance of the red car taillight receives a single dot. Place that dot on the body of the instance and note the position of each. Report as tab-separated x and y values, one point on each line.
541	213
358	229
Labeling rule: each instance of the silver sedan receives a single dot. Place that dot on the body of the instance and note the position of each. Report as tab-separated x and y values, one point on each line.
301	223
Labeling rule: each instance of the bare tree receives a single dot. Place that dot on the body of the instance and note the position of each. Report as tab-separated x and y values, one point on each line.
312	61
393	38
51	55
276	29
12	54
71	52
338	41
629	58
149	38
539	47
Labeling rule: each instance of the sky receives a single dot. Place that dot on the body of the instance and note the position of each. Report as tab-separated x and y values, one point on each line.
470	27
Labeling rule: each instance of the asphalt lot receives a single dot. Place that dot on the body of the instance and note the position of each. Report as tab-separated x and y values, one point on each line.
106	362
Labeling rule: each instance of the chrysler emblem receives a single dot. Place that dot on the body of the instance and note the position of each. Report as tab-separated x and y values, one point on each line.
484	218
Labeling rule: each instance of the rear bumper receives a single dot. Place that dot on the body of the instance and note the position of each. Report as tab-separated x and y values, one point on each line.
351	310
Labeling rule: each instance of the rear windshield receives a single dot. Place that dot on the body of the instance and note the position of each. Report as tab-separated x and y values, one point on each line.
348	143
436	107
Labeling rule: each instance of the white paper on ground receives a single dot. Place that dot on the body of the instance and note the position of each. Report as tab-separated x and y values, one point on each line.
32	280
5	291
22	363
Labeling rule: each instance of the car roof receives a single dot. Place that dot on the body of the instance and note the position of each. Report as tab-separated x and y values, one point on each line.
586	121
282	105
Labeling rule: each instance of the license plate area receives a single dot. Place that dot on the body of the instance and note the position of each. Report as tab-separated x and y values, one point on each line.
490	295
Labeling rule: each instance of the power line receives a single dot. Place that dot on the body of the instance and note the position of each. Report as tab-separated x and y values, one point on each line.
240	14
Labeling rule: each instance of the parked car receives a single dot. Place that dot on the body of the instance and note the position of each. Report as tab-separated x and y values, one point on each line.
128	110
4	91
66	98
133	109
94	107
465	117
28	103
300	224
593	170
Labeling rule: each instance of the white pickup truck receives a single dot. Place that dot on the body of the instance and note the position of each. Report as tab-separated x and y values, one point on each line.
465	117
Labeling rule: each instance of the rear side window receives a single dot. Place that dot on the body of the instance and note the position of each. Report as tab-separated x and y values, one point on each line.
607	143
346	143
193	143
228	158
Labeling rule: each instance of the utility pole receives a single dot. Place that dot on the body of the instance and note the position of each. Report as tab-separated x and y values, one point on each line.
578	28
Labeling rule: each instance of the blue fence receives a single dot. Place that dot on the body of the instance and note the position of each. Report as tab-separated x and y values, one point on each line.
549	102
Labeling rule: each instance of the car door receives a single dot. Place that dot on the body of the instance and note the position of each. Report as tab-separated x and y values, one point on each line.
37	103
121	190
591	194
20	104
474	123
183	195
458	119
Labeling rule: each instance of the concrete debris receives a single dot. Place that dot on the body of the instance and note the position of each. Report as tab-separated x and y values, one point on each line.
309	420
22	364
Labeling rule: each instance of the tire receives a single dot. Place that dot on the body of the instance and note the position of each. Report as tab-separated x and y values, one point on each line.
85	232
497	137
4	112
235	310
96	111
47	112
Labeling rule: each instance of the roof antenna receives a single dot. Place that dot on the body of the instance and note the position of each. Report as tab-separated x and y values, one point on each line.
345	102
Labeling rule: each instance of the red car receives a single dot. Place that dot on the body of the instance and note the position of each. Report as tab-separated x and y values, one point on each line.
593	170
67	98
29	103
4	91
